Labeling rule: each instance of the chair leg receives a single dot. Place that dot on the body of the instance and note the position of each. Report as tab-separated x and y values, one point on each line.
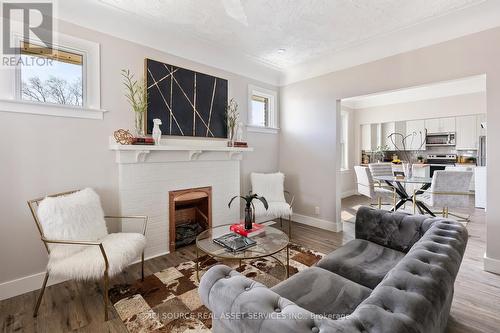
394	199
40	295
142	266
379	202
290	227
444	212
460	217
414	202
447	212
106	295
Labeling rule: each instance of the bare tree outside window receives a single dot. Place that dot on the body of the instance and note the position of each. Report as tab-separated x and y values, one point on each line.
59	81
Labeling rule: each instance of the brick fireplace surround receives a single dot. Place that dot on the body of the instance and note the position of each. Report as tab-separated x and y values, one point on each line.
147	175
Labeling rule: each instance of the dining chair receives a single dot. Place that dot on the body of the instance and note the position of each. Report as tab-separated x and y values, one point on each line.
73	229
448	189
370	189
272	187
380	169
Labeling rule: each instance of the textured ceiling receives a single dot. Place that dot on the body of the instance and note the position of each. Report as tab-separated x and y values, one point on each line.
306	29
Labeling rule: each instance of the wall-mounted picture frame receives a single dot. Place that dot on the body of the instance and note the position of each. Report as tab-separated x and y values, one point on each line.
189	103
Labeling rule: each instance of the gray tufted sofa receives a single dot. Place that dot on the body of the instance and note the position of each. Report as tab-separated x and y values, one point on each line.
397	276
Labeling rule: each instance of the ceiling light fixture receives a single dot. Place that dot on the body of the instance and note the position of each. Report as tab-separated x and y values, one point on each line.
281	51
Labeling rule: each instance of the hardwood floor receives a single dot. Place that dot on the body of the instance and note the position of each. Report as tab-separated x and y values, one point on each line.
78	307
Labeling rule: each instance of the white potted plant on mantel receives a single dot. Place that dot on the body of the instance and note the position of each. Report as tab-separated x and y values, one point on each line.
136	95
232	115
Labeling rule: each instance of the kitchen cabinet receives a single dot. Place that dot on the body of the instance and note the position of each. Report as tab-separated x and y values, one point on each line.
389	128
421	170
466	135
417	127
370	137
480	192
432	125
440	125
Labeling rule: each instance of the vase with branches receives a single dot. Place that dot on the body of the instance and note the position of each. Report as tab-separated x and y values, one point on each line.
402	143
232	116
136	94
249	215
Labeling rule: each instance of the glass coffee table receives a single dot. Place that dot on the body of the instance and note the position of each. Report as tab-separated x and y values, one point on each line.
269	243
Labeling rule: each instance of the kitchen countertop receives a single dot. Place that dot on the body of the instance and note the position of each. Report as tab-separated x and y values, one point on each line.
422	165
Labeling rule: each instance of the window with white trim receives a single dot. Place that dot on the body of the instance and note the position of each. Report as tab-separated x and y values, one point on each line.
344	128
51	75
262	109
59	79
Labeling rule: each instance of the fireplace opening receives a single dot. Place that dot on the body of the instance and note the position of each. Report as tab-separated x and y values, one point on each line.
190	212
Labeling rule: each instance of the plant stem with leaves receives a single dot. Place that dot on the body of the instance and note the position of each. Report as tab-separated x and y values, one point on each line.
136	95
232	116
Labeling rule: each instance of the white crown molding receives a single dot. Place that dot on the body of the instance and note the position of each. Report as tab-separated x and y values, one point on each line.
451	26
469	85
97	16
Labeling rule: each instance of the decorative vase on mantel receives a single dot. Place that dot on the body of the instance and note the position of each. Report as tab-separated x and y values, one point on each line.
139	124
230	136
231	120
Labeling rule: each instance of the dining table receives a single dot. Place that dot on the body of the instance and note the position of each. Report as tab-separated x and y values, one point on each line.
398	184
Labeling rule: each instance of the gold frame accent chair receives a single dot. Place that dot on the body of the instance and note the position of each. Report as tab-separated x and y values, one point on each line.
76	245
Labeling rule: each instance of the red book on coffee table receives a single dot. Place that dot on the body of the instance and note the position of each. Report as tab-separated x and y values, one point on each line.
239	228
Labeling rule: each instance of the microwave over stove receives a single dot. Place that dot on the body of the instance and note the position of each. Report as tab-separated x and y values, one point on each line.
440	139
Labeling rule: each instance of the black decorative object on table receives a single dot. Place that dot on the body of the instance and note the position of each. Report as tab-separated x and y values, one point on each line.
188	103
249	216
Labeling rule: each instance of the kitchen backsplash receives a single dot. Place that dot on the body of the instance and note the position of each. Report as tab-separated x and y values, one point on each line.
387	155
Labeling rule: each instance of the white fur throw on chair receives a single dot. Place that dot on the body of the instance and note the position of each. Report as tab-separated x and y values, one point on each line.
79	216
271	187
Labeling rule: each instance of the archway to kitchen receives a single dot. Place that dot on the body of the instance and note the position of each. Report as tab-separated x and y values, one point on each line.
445	125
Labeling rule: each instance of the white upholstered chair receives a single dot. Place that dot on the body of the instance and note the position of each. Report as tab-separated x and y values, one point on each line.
73	229
271	187
368	187
380	169
448	189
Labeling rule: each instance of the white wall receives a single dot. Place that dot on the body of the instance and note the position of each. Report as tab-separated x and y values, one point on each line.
45	154
348	177
308	135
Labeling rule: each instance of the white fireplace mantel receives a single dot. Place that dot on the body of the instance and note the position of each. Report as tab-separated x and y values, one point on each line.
175	150
147	174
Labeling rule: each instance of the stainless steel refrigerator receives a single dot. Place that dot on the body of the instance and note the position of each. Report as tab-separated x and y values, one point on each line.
481	154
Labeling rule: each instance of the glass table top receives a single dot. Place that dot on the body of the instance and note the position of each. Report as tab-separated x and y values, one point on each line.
413	180
269	242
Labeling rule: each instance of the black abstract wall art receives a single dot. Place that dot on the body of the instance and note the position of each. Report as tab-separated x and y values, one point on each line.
188	103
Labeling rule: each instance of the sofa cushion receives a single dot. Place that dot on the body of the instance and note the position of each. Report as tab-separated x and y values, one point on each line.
361	261
322	292
396	230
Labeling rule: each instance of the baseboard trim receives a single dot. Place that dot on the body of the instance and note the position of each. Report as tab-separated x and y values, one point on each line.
318	223
491	265
25	284
29	283
348	194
